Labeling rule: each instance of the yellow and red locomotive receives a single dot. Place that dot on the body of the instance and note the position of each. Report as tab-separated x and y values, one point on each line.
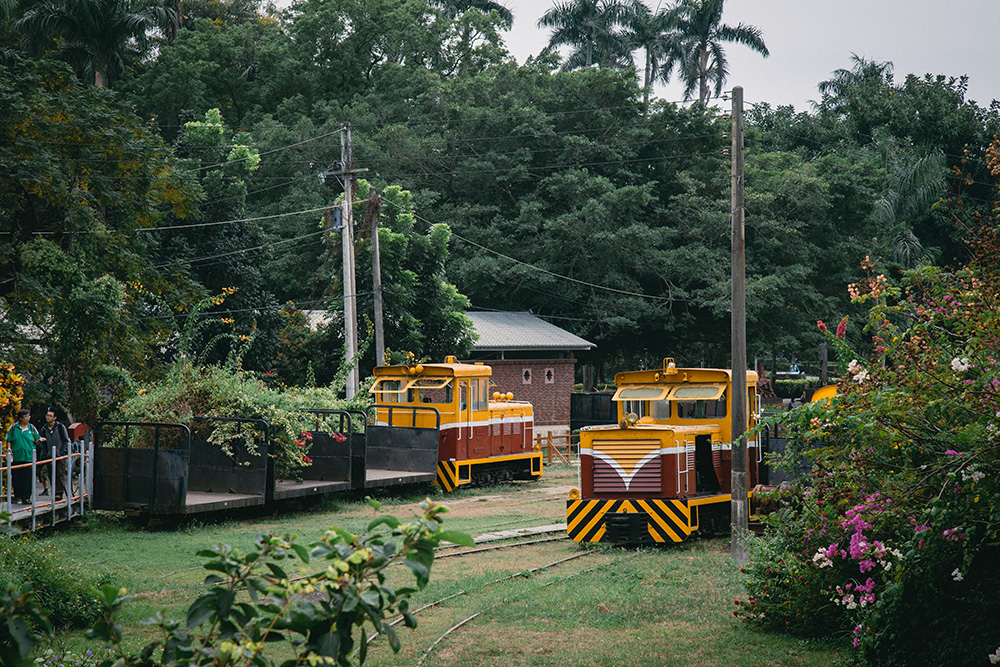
663	472
483	437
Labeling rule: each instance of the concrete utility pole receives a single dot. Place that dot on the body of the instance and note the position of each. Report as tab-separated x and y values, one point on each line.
347	242
740	505
374	210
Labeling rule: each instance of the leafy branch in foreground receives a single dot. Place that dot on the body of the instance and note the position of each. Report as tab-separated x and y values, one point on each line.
279	604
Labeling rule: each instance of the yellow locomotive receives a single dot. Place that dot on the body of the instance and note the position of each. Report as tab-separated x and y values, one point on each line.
481	436
663	472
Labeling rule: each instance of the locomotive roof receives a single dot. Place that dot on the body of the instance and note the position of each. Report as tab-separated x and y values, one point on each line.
660	376
446	369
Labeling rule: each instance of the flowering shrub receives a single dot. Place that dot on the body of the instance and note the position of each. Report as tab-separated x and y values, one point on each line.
893	543
11	393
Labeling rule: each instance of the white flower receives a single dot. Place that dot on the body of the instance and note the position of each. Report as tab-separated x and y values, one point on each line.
853	367
956	574
960	365
995	657
861	377
822	560
972	474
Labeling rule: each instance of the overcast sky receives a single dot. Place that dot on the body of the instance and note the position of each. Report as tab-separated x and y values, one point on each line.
809	39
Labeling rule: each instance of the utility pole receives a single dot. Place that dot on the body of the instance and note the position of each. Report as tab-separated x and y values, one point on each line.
348	171
374	210
739	453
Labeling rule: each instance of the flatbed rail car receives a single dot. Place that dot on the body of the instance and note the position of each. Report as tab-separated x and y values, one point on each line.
663	472
483	437
165	469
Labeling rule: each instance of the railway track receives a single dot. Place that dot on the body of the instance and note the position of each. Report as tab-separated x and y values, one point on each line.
457	626
522	573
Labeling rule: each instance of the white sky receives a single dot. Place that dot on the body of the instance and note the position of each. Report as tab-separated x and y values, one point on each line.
809	39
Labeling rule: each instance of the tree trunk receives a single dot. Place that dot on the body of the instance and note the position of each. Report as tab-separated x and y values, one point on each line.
703	76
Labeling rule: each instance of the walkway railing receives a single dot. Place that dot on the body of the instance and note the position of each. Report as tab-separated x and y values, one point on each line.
42	510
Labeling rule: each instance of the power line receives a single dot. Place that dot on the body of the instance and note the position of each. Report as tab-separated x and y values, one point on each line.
532	266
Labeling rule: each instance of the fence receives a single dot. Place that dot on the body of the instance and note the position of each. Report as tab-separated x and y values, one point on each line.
77	484
562	445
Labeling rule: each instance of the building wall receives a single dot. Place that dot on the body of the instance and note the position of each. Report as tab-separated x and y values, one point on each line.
546	383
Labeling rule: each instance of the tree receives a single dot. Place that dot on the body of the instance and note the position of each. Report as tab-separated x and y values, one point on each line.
843	90
593	29
423	313
454	8
654	33
702	60
223	249
84	176
97	37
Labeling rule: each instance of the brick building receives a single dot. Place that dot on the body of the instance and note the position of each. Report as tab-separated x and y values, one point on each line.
532	359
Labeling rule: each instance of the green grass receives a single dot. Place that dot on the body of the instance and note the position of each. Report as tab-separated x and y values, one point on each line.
663	606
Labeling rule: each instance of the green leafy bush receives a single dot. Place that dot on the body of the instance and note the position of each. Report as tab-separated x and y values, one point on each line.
212	391
64	589
790	388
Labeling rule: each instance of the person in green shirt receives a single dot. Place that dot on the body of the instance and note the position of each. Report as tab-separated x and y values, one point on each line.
22	438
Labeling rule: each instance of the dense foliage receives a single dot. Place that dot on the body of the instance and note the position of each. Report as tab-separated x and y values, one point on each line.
65	589
278	603
894	541
548	186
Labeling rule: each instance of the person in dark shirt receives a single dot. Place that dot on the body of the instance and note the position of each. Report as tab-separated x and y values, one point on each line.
55	435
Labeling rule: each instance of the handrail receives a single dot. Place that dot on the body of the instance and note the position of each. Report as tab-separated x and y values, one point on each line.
412	408
345	415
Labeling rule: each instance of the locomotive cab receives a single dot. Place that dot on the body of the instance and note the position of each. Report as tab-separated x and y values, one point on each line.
666	465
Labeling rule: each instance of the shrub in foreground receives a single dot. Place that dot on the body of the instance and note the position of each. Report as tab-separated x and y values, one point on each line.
280	603
893	545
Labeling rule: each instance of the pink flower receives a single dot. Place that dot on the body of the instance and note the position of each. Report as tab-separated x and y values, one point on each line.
842	328
821	326
952	452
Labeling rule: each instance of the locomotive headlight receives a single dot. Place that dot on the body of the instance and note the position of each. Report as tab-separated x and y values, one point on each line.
574	494
630	420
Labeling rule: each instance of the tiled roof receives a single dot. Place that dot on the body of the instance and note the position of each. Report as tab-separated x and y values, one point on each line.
521	331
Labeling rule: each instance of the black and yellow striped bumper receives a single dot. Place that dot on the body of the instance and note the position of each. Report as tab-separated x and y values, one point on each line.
646	520
453	474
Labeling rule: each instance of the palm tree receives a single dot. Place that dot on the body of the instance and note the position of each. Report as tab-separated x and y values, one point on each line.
593	28
655	34
844	86
701	58
913	189
96	36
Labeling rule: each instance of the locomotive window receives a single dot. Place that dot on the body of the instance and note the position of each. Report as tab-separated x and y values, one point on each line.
388	390
429	390
703	392
660	409
702	409
479	396
638	407
649	393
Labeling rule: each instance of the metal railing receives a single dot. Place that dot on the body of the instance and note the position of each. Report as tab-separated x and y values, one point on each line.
77	483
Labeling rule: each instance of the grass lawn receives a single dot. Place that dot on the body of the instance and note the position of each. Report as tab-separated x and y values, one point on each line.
612	606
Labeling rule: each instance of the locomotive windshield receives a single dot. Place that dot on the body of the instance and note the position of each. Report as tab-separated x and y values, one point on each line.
415	390
684	401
